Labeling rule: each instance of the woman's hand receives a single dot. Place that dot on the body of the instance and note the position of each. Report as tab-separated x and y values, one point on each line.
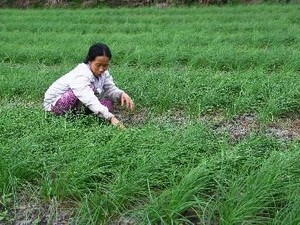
115	122
127	101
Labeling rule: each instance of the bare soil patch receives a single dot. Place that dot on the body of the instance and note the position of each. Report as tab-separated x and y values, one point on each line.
28	210
239	127
132	118
285	128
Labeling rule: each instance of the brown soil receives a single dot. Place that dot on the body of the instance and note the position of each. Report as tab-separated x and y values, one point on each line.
284	129
26	210
132	118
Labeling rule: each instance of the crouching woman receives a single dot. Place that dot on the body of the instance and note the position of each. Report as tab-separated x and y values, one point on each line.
88	84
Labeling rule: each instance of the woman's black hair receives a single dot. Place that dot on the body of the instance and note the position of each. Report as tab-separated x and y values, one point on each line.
98	49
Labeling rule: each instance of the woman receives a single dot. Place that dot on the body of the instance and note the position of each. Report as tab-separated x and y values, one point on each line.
89	84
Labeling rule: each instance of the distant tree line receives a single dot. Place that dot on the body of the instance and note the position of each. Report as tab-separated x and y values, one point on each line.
129	3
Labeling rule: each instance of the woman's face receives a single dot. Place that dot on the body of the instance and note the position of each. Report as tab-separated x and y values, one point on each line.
99	65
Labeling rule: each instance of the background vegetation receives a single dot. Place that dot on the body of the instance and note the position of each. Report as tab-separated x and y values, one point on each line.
128	3
190	72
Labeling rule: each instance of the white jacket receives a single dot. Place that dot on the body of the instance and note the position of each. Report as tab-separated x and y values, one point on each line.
80	81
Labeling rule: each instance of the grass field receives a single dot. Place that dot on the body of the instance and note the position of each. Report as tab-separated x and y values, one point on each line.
214	138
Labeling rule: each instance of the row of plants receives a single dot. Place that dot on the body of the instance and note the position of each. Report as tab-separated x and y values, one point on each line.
128	3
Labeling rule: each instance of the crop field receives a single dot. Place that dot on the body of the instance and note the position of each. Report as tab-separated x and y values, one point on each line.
214	138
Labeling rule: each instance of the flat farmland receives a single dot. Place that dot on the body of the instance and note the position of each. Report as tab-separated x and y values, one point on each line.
214	138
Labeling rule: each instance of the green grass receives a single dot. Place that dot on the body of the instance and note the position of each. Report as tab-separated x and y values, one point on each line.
198	61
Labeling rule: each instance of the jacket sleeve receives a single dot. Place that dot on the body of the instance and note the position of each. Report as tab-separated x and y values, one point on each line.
82	89
110	88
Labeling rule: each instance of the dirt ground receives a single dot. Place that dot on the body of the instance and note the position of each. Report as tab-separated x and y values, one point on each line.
284	129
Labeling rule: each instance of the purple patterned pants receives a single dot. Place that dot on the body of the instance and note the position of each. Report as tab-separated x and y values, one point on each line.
69	102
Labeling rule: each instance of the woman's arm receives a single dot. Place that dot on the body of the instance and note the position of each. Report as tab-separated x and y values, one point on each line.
110	88
116	94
